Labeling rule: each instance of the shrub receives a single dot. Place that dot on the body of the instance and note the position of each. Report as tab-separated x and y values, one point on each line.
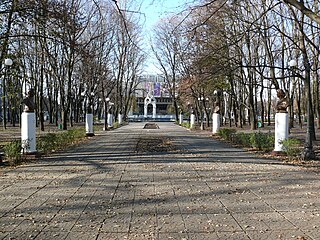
185	124
12	152
57	141
291	147
262	140
47	143
226	133
115	125
242	139
259	140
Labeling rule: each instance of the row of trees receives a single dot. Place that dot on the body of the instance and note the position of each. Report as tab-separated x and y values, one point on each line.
78	53
243	48
74	53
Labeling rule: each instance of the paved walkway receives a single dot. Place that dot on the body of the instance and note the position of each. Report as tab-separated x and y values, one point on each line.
203	189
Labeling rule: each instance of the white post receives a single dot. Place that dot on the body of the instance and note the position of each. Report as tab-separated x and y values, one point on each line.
145	110
120	118
215	123
180	118
154	110
110	120
281	130
28	132
192	120
89	124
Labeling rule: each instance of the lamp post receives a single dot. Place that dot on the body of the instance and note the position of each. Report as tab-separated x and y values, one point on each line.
106	104
7	62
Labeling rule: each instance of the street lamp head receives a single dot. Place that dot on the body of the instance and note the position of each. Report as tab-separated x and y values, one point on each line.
292	63
8	62
107	99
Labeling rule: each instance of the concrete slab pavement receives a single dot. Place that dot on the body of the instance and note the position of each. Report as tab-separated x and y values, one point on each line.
200	189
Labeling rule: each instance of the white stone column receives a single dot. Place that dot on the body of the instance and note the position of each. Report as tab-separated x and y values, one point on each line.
192	120
110	120
281	130
180	118
120	118
89	124
215	123
154	110
145	110
28	132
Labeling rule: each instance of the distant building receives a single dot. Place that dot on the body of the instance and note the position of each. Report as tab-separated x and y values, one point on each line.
152	89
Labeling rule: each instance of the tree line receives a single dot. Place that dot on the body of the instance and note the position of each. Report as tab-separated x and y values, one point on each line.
75	54
243	48
78	53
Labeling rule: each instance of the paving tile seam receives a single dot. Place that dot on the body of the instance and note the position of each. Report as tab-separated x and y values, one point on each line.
86	206
123	171
195	169
61	207
38	190
181	191
280	213
275	210
179	206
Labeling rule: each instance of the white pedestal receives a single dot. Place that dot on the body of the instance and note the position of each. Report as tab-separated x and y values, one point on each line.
89	124
28	132
154	112
215	123
120	118
192	120
281	130
180	119
110	120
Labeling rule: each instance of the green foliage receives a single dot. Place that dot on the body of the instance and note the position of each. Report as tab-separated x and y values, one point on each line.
291	147
115	125
242	139
261	140
226	133
12	152
48	142
58	141
185	124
